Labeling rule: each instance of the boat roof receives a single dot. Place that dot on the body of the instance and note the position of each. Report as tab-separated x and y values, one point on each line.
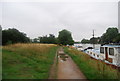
96	50
111	46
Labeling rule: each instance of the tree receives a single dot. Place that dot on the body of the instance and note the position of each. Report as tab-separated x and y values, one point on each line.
84	41
117	39
65	37
35	40
109	36
49	40
13	36
95	40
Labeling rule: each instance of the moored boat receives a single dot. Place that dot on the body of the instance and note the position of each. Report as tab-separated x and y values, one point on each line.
108	53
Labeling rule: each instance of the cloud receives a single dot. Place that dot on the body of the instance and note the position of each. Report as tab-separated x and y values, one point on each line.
41	18
60	0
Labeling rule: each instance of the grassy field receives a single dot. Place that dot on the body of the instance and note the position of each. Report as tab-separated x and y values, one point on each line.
27	61
92	69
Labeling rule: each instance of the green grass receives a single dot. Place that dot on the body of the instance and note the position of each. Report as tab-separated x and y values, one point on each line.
92	69
26	61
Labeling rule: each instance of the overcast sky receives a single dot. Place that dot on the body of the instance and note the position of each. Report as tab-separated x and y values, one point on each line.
44	17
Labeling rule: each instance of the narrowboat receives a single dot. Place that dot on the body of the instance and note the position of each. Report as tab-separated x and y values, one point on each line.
108	53
111	54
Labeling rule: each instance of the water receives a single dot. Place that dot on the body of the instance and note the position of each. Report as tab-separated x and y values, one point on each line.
97	46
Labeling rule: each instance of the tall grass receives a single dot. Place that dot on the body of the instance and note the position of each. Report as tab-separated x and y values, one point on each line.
28	61
92	69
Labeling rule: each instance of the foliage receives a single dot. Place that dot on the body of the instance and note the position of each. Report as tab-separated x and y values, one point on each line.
13	36
85	41
77	42
117	38
50	40
92	69
65	37
36	40
27	61
111	36
95	40
46	39
92	40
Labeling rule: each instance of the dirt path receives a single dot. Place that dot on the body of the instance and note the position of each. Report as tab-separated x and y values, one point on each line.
67	69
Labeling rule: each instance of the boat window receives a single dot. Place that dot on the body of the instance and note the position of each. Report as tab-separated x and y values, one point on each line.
111	51
102	50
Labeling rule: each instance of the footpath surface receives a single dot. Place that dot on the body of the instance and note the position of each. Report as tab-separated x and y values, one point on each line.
67	69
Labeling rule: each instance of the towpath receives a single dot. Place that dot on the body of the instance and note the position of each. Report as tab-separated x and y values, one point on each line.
67	69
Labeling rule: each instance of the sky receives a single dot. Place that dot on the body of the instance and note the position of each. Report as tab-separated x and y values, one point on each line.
43	17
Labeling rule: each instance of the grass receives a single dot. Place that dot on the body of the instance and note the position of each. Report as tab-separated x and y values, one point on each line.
27	61
92	69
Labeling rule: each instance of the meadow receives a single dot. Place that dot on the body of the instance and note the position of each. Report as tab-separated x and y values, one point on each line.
27	61
92	69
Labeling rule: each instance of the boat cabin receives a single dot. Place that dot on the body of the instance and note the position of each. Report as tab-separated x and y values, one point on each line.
95	53
110	53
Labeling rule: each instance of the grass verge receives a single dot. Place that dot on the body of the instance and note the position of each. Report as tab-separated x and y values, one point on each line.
27	61
92	69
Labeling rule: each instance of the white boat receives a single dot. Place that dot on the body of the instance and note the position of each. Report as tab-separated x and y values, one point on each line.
109	53
78	47
95	53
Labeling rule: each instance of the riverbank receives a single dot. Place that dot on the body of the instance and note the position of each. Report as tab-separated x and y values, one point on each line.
92	69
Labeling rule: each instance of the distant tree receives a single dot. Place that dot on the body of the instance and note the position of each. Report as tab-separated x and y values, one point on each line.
65	37
109	36
51	39
117	39
95	40
84	41
48	39
77	42
36	40
13	36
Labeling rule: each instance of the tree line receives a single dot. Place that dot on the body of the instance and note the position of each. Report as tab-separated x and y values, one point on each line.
110	36
64	38
12	35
